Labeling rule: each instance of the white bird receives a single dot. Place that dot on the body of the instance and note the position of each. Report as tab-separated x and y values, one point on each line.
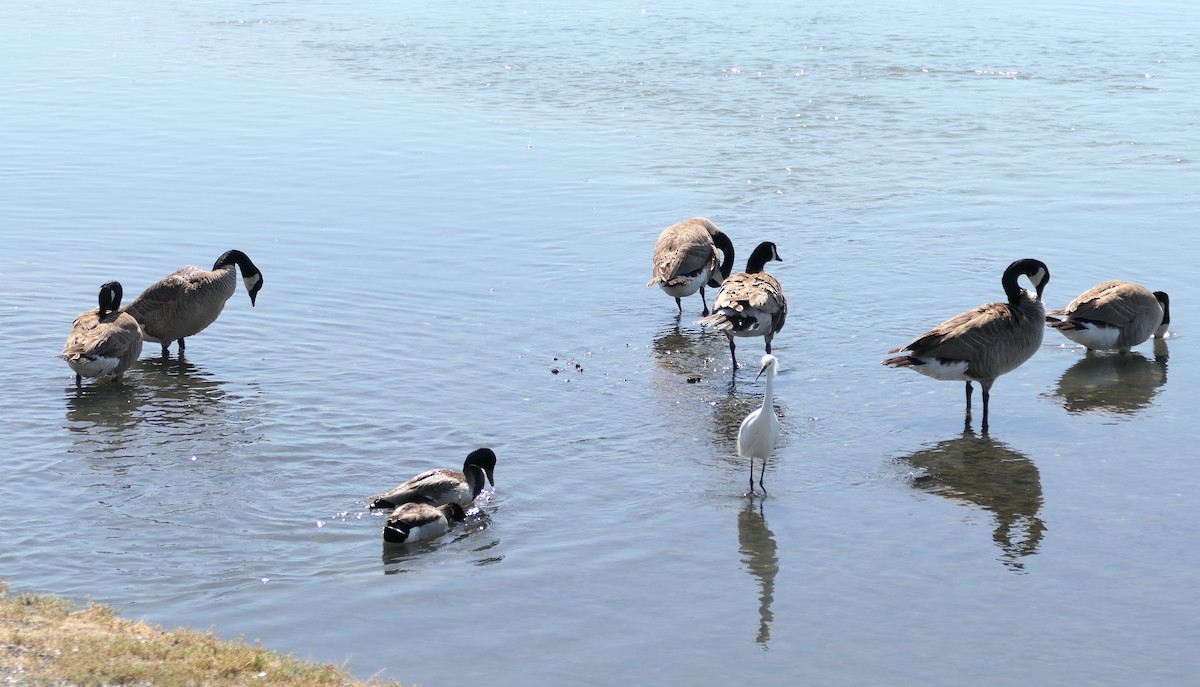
1114	315
104	341
760	430
685	259
982	344
413	522
442	485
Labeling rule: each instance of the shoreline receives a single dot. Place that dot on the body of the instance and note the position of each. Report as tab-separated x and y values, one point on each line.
46	641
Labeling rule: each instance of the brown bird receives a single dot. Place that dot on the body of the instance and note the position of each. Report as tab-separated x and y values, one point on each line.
750	303
1115	314
685	259
105	341
413	522
984	343
443	485
183	303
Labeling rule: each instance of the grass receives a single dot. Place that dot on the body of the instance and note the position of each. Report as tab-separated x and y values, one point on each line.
49	642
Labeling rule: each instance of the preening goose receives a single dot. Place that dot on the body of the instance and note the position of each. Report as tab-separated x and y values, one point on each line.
104	341
185	302
685	259
1113	315
413	522
760	430
750	303
443	485
984	343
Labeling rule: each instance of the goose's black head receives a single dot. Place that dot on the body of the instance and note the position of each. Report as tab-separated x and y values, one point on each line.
251	276
453	512
1036	270
484	459
763	253
110	298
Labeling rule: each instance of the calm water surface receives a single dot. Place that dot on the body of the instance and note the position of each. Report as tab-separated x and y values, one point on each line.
451	203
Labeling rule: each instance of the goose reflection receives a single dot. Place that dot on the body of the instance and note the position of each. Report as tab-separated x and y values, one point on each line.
165	407
756	543
984	472
682	353
158	391
1115	383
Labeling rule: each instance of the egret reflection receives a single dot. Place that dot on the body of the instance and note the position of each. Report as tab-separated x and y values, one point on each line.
1114	383
756	543
984	472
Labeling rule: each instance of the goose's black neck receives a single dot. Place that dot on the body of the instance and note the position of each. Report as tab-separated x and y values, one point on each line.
236	257
1165	302
110	298
722	241
763	253
1037	272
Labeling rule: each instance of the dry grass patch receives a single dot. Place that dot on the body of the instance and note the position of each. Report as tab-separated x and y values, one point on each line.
46	641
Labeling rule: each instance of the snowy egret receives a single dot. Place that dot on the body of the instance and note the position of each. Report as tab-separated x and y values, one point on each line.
184	303
104	341
685	259
1115	314
413	522
760	430
982	344
750	303
443	485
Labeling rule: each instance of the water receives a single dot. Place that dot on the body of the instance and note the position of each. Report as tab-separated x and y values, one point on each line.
450	203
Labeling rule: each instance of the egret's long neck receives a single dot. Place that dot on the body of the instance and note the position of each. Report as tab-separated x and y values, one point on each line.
769	394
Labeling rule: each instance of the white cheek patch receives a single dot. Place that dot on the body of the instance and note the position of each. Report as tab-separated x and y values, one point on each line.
251	282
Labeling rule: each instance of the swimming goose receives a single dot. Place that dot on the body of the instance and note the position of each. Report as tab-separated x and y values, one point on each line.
104	341
685	259
443	485
984	343
185	302
413	522
760	430
750	303
1115	314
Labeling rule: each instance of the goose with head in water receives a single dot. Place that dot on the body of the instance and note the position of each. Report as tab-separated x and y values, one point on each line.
183	303
105	341
685	259
1113	315
759	432
750	303
982	344
443	485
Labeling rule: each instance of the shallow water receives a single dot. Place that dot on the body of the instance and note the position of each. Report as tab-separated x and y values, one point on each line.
450	204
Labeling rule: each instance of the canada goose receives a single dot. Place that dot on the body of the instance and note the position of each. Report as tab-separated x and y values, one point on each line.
685	259
760	430
443	485
184	303
982	344
1115	314
104	341
418	521
750	303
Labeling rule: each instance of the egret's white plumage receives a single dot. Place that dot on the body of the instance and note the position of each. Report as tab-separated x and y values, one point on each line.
760	430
